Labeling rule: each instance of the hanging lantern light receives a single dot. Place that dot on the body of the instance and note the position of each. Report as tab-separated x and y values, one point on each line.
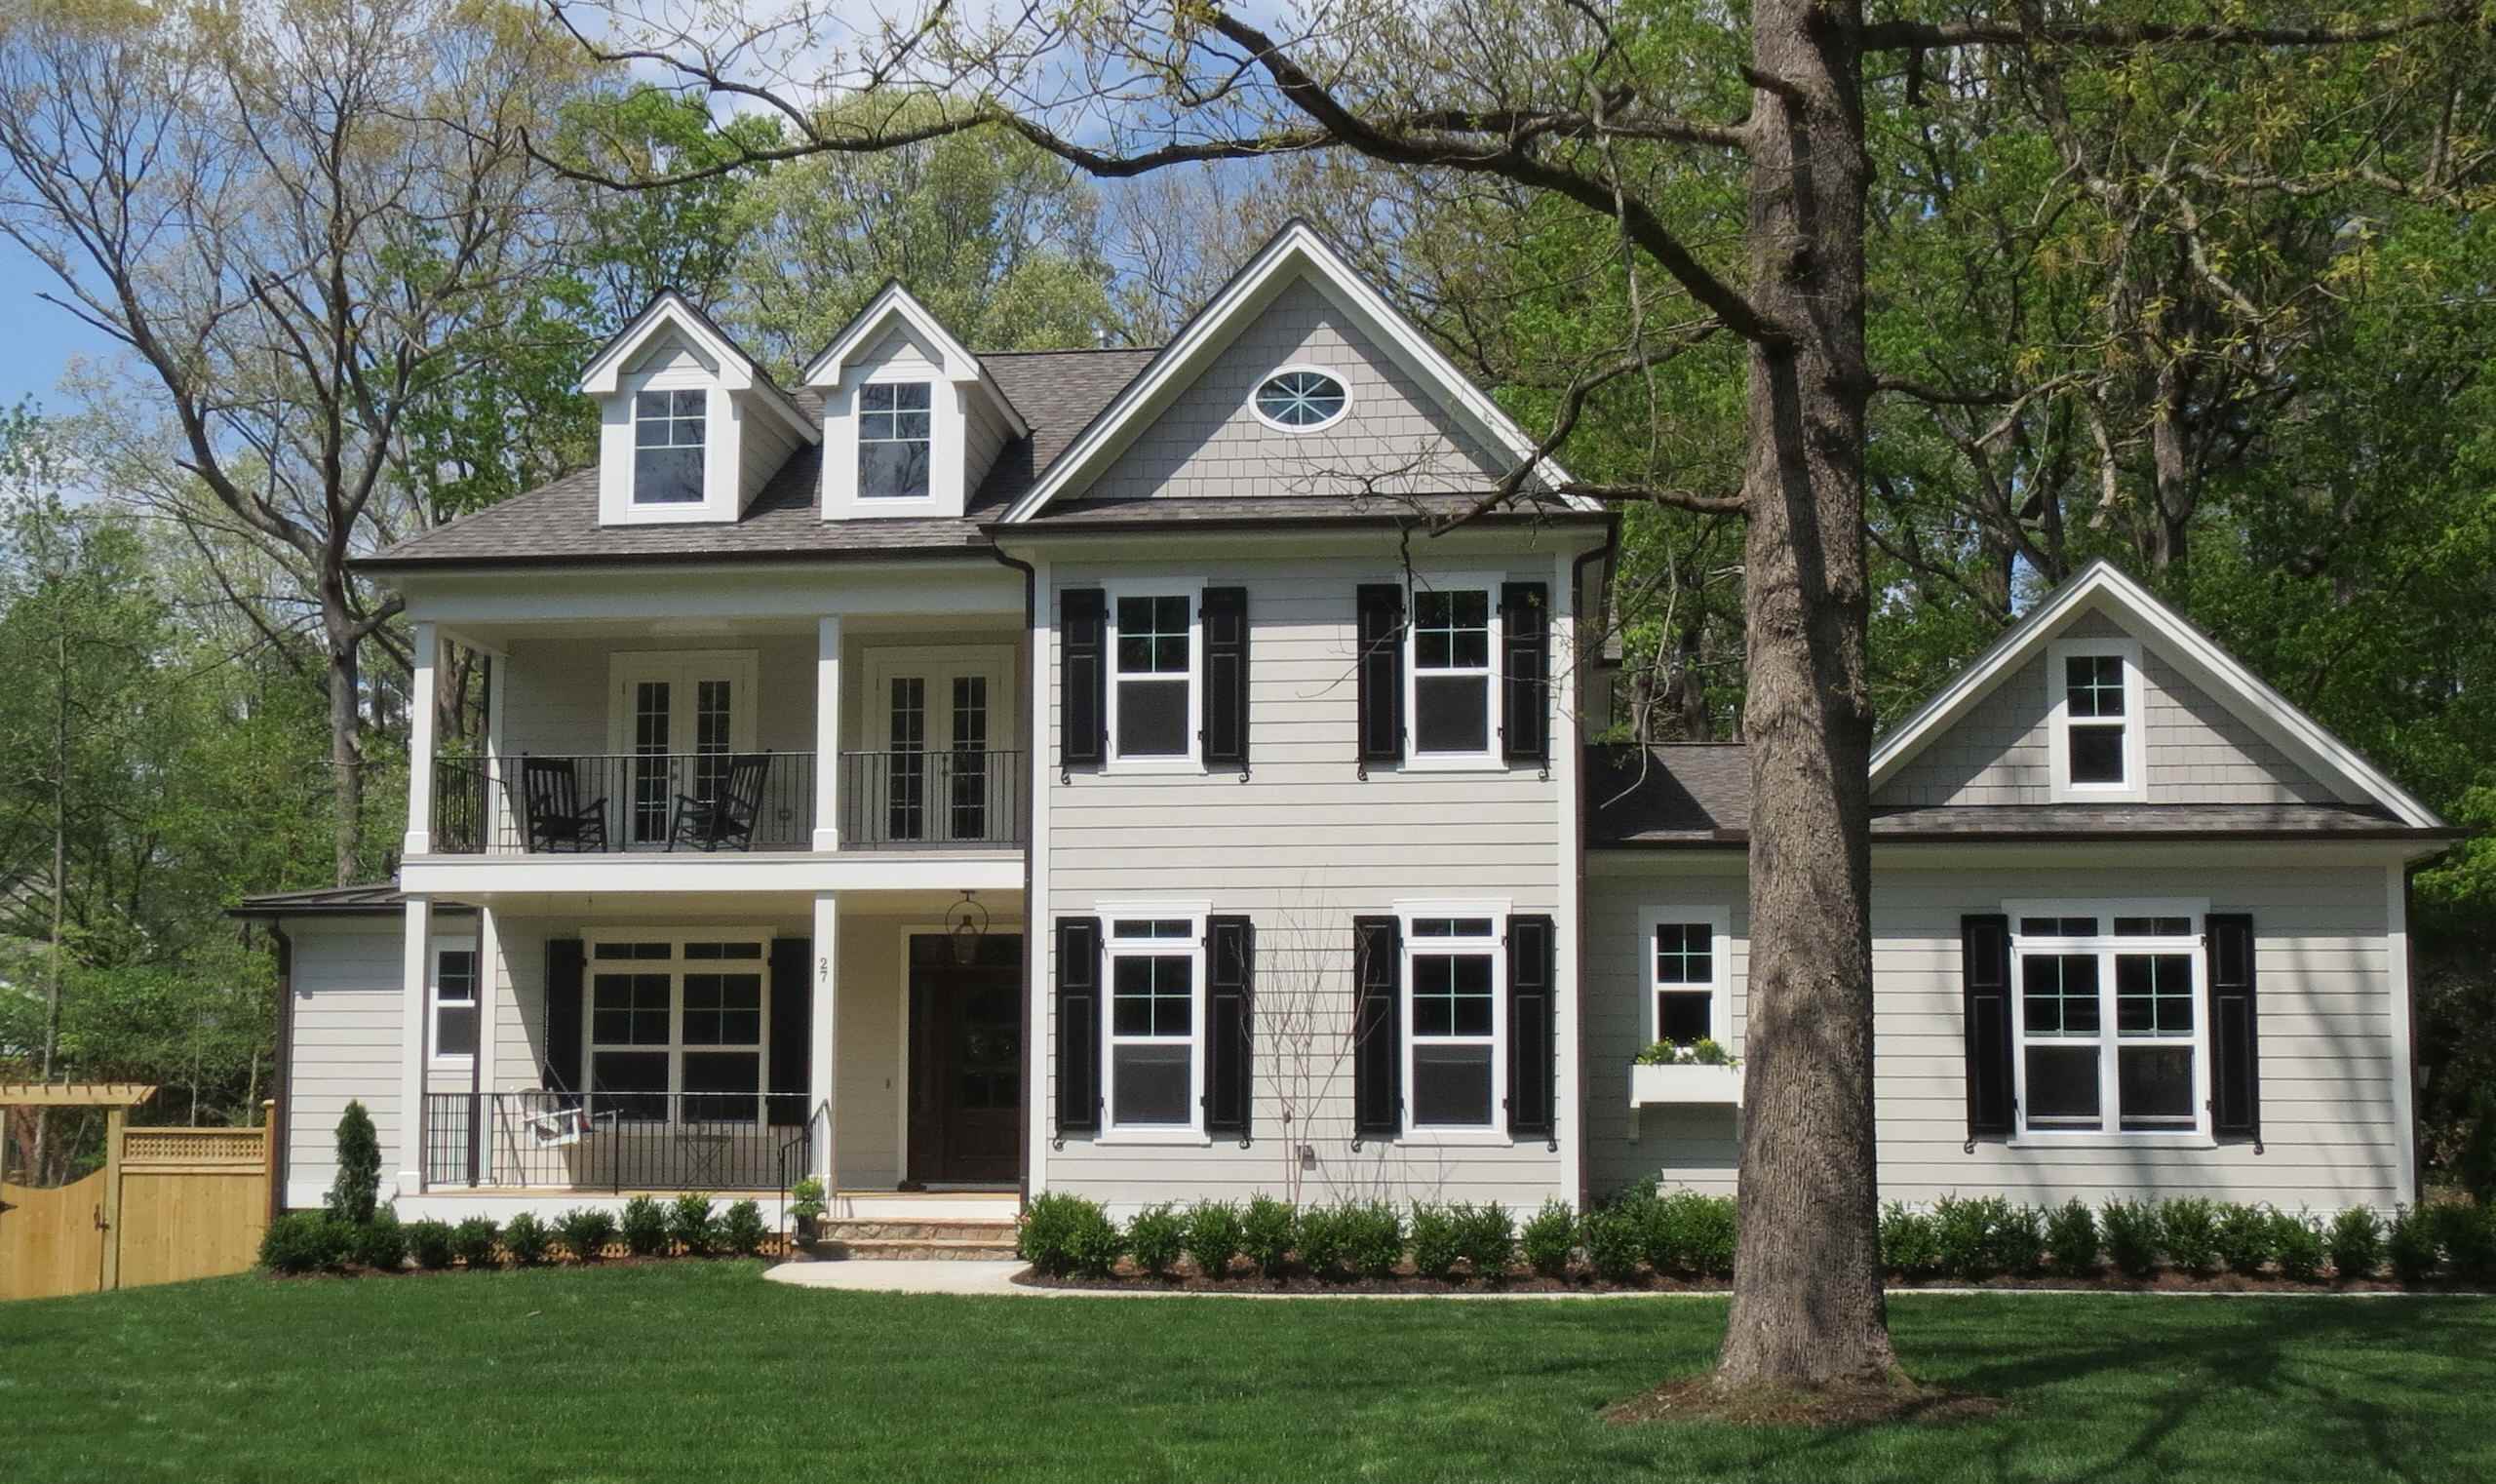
969	926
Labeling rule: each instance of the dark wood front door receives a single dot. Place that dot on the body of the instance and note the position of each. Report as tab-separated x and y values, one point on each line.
965	1061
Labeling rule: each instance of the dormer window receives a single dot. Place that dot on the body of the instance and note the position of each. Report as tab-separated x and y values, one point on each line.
2094	692
668	447
893	440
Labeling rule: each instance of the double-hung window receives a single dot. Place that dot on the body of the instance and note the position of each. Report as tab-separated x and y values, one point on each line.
1156	1023
2108	1030
893	440
1453	633
1454	992
1154	677
668	447
454	1004
677	1028
1684	952
2094	701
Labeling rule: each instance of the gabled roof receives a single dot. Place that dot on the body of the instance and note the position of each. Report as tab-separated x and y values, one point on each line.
669	310
2102	588
1298	251
895	302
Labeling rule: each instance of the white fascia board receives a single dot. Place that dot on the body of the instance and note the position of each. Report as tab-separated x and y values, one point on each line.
2196	654
484	878
958	361
1298	247
738	374
710	594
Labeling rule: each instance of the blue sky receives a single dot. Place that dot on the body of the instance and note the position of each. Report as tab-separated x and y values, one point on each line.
40	339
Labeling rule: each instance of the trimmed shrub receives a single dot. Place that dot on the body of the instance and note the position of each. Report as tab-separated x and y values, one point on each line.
1373	1238
1487	1236
1436	1241
690	1224
2297	1247
1908	1244
381	1243
1321	1240
1964	1230
303	1241
429	1243
2019	1239
1063	1234
1549	1239
473	1240
527	1240
2356	1243
1215	1235
2247	1238
586	1231
1156	1237
2071	1239
1268	1233
358	1182
2468	1234
1709	1224
2188	1229
644	1227
2410	1246
1616	1240
742	1231
2130	1228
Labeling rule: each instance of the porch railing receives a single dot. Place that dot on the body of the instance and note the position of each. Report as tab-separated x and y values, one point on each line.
616	1142
601	803
932	799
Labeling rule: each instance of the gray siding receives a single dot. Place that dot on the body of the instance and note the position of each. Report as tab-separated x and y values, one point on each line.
764	444
346	1037
1394	440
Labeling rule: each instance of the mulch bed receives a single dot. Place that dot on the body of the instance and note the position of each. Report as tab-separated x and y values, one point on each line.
1701	1400
1245	1279
619	1260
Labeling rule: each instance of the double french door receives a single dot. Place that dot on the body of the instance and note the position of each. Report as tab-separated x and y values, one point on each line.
937	717
676	721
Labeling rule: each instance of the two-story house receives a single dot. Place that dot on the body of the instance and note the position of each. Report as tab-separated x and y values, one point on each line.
982	773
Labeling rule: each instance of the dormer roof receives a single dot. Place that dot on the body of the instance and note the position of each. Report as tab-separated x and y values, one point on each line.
895	307
671	312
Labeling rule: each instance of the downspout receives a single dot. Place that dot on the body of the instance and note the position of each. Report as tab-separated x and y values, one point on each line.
1027	733
1606	553
281	1119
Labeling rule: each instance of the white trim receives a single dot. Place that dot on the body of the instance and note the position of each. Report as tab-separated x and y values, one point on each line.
1192	950
2404	1115
425	652
1192	589
1495	946
1720	983
414	972
471	878
939	665
676	966
1298	249
436	1059
1569	922
1489	760
2104	948
1039	943
2134	723
823	1038
2193	654
1303	367
737	371
956	360
828	658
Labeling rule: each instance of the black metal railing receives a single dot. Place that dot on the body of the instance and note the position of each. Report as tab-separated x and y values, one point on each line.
634	1141
600	802
909	800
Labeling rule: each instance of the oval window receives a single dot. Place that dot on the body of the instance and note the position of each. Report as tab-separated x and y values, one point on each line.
1301	399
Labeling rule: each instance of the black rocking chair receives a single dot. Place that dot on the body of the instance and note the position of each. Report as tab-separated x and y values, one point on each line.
550	807
724	821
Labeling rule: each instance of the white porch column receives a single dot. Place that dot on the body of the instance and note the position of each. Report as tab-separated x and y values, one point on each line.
420	839
490	989
416	974
825	1032
827	736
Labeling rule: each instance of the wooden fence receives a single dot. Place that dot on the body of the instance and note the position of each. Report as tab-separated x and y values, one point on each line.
169	1204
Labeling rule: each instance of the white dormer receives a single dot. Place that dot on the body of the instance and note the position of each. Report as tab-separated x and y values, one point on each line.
911	421
689	428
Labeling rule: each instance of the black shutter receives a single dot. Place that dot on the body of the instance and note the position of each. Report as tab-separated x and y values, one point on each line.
793	1000
564	960
1226	697
2235	1071
1078	1025
1378	1045
1083	614
1524	685
1230	997
1379	673
1984	973
1532	1031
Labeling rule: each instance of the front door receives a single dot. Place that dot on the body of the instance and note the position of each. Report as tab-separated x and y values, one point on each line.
965	1061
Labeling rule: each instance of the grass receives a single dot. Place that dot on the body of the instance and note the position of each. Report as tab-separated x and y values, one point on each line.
701	1371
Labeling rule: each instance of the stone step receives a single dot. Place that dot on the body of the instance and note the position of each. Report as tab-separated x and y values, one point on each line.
910	1249
878	1229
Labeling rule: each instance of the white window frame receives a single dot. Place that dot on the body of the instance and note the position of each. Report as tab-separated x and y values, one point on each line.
2134	788
1455	1135
858	454
1257	409
676	966
1192	949
633	472
1192	590
1488	758
453	1060
2106	948
1720	935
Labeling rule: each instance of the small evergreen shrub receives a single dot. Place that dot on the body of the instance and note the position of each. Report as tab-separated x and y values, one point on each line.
1909	1246
1710	1234
586	1231
1156	1237
2019	1239
303	1241
2130	1229
644	1227
1065	1233
429	1243
2467	1233
2357	1244
2248	1239
2071	1239
1549	1239
1373	1238
690	1224
2410	1246
527	1240
742	1231
1215	1236
2297	1247
1616	1241
2188	1229
1321	1240
1097	1247
1964	1230
381	1243
358	1184
473	1240
1436	1241
1487	1236
1268	1233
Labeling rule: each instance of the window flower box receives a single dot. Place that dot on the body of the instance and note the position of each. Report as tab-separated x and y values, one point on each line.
1718	1085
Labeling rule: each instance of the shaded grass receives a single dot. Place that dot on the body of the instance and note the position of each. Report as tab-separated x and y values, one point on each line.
701	1371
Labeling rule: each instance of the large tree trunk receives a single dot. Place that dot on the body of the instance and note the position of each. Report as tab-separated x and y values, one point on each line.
1808	1307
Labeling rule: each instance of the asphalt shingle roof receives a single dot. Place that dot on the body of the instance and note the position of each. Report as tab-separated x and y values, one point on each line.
370	899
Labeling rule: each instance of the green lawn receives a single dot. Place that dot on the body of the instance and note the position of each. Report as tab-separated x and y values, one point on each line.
703	1372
